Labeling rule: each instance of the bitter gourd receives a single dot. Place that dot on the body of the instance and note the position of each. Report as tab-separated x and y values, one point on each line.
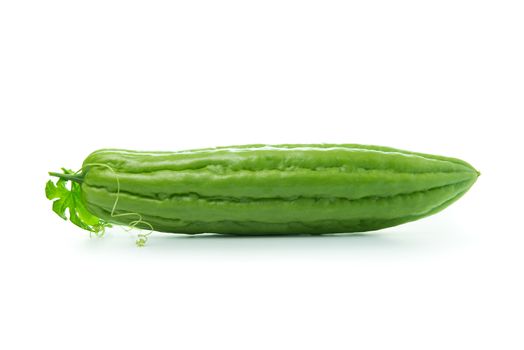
269	189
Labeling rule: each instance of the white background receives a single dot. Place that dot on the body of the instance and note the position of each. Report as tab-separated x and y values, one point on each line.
443	77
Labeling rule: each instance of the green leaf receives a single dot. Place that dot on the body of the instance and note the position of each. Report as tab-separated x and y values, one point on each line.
67	203
50	190
59	207
85	215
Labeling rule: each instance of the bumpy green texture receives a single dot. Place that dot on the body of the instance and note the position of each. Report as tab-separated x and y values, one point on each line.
274	189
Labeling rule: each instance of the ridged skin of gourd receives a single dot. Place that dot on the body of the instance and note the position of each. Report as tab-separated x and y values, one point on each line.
274	189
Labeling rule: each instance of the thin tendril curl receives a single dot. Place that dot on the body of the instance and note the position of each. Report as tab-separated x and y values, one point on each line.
142	237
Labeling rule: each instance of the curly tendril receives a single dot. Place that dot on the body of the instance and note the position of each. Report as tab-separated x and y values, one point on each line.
142	237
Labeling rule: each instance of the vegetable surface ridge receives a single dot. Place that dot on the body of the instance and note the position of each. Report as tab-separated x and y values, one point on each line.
198	196
292	227
301	209
321	146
